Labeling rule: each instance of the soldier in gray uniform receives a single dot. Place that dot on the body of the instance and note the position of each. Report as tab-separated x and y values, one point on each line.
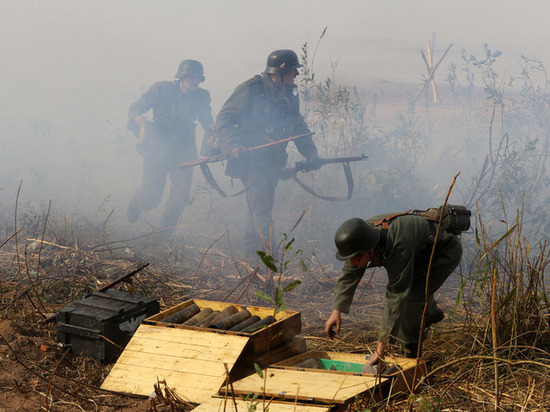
169	140
263	109
403	249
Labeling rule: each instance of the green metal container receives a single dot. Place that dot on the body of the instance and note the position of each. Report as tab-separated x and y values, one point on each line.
341	365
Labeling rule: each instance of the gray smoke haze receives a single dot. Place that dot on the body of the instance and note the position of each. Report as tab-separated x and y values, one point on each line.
70	69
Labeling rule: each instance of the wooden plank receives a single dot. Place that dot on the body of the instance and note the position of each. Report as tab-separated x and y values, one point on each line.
213	367
245	363
221	404
189	361
185	385
400	381
167	340
307	385
157	335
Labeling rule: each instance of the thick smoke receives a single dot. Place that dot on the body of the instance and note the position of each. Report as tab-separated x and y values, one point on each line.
71	69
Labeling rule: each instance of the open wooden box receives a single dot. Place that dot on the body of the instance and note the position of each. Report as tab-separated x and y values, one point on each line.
287	325
198	364
196	361
290	381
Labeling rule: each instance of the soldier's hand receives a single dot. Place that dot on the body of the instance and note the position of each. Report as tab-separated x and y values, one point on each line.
314	163
334	321
378	354
235	152
140	120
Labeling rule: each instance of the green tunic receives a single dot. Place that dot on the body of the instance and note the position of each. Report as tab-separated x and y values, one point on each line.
258	113
174	112
170	143
404	251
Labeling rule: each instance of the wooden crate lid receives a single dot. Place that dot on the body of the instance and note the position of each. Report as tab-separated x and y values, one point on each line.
284	381
191	362
220	404
306	385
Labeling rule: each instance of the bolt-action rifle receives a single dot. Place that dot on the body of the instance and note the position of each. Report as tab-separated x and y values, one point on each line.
305	166
203	163
220	157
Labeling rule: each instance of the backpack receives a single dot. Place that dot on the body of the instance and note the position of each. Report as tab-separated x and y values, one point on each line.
456	218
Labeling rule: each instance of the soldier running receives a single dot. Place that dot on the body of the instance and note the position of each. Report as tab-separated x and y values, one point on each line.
169	140
263	109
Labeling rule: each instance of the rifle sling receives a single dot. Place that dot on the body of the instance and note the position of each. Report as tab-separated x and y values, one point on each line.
349	181
207	173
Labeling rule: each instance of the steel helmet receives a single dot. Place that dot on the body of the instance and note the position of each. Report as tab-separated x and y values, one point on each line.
190	68
353	237
281	61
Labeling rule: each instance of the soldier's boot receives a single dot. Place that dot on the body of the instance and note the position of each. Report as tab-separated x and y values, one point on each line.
434	317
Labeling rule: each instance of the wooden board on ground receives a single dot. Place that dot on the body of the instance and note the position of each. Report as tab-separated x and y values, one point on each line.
285	381
221	404
191	363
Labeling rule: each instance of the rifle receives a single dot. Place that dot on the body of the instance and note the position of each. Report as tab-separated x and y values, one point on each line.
106	287
304	166
220	157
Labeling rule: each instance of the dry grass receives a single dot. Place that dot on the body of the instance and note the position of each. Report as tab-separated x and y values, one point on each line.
493	354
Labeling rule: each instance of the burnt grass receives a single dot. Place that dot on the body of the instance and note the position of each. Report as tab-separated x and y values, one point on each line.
40	274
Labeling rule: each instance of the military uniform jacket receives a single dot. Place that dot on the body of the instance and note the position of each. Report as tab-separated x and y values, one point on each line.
404	244
174	113
258	113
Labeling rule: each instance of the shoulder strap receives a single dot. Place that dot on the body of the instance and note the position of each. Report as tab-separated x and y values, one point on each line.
386	221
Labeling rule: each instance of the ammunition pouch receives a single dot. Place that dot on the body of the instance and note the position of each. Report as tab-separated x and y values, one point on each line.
456	218
459	219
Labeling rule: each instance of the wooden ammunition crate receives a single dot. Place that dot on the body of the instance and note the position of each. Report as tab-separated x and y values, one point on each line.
100	325
287	382
197	362
287	325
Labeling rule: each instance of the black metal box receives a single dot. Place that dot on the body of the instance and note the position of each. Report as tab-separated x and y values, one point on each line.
100	325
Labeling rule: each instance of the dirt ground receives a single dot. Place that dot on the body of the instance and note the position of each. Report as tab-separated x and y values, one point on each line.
36	373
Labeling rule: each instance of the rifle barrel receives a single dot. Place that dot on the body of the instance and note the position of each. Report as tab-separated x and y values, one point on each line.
344	159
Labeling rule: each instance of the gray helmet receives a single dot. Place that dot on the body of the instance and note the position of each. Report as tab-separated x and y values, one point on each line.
353	237
190	68
281	61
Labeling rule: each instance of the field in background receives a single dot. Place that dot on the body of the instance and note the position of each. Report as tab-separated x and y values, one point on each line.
492	351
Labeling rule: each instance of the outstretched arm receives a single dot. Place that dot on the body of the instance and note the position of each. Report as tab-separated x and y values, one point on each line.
335	320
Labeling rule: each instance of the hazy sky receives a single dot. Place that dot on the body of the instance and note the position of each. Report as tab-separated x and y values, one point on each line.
70	69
